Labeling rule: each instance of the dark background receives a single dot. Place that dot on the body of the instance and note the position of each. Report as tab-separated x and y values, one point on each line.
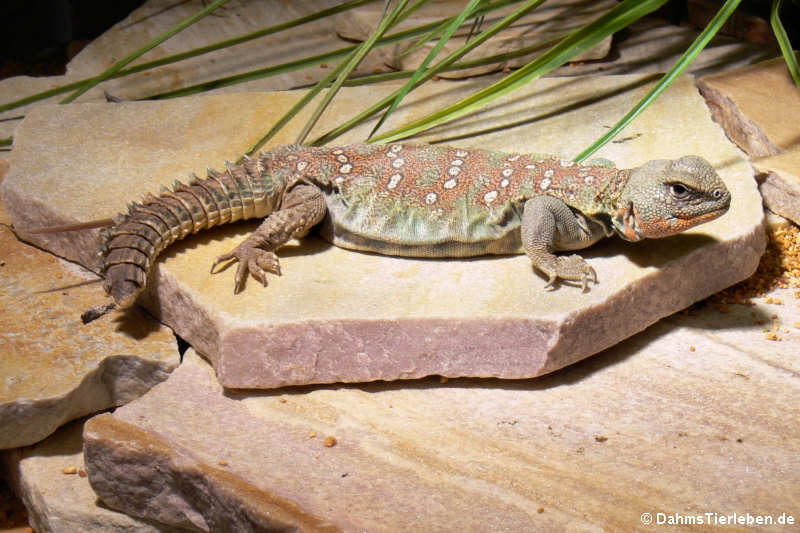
38	37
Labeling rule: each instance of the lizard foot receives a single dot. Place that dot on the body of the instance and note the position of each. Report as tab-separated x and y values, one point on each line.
571	268
253	260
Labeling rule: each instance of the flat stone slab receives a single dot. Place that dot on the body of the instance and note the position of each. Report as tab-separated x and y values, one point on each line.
53	368
343	316
694	415
743	100
51	479
780	183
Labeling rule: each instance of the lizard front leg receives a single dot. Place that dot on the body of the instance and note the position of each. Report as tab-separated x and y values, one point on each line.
549	225
301	209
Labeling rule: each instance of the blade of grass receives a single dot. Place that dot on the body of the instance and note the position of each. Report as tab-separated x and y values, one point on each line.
295	109
459	65
306	62
616	18
449	30
189	53
146	48
431	72
688	56
387	21
283	68
783	41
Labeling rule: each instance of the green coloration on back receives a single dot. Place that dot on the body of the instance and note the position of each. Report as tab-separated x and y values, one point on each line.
424	200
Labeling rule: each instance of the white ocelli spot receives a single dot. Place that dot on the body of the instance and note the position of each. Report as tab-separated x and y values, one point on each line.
531	166
301	165
394	180
346	168
545	184
341	158
461	153
567	164
391	155
513	157
396	148
504	183
507	172
490	197
338	151
398	163
451	183
431	198
457	162
588	180
454	171
549	173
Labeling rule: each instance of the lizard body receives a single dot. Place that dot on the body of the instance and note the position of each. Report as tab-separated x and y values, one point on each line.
416	200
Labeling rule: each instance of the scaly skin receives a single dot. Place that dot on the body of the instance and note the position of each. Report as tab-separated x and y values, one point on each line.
417	200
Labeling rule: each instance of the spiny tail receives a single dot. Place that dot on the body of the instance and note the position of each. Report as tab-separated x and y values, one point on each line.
133	243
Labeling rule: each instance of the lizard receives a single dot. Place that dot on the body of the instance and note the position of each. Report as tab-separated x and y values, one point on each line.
415	200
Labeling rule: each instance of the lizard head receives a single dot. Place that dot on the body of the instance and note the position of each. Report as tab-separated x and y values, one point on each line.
665	197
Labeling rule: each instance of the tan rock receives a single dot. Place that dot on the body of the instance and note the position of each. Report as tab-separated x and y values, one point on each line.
155	17
51	477
541	26
55	369
687	417
780	183
758	106
337	315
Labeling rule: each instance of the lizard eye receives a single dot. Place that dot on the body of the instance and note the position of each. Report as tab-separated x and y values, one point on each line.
679	191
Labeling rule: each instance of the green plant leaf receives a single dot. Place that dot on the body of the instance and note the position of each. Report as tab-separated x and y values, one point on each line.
306	98
146	48
431	72
783	41
189	53
688	56
397	14
574	44
448	32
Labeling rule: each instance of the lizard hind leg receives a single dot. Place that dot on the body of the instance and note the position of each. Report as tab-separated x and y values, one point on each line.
302	208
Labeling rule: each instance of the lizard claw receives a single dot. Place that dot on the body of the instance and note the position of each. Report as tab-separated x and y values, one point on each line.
570	268
252	260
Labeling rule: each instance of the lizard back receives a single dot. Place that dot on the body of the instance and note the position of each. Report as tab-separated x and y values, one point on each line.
436	201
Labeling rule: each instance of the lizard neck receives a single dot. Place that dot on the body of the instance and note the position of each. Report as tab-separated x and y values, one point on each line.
622	213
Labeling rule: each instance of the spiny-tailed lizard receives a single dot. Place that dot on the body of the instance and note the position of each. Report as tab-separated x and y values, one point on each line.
416	200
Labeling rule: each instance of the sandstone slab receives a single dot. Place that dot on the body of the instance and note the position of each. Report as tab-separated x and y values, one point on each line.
542	25
757	105
155	17
697	414
780	183
51	479
338	315
54	369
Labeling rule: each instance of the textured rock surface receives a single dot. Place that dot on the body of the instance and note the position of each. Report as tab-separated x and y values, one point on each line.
154	17
53	368
758	105
780	183
337	315
60	502
694	415
550	21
